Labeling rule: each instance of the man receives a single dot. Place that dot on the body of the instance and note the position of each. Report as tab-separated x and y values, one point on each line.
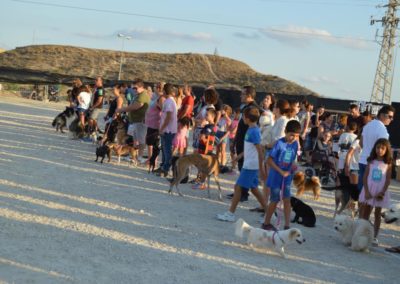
355	116
374	130
168	127
136	116
247	97
97	105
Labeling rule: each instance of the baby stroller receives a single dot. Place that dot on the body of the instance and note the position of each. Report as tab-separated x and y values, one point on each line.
324	168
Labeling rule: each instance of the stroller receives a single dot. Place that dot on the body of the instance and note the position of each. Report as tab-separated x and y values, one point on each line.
324	168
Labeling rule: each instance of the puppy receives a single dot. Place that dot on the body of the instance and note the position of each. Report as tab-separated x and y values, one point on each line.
358	234
392	215
102	151
124	150
63	119
206	164
304	214
304	183
269	239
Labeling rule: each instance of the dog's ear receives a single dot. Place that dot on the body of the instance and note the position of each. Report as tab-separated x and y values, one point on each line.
292	234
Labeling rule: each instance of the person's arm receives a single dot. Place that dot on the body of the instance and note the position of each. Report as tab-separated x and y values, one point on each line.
133	106
272	164
350	153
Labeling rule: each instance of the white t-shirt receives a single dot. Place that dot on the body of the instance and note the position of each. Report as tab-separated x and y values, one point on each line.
169	106
346	138
373	131
355	158
84	102
278	130
251	139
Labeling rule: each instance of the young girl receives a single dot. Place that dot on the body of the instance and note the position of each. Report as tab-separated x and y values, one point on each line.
376	183
222	133
179	142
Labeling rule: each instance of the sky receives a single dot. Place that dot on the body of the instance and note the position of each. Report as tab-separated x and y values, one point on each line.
327	46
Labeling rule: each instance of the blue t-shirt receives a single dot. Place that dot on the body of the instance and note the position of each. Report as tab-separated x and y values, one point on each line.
283	154
251	139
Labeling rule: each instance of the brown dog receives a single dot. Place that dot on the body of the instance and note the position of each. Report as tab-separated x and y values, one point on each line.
121	136
123	150
303	183
206	164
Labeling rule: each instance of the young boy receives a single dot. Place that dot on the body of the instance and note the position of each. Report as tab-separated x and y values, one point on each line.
280	161
253	163
207	142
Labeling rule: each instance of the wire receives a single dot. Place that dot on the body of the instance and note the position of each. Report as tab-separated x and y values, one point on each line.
275	30
348	3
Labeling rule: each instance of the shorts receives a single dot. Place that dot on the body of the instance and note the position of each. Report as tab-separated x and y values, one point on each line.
248	179
275	195
95	113
152	136
219	134
138	131
354	172
81	110
308	143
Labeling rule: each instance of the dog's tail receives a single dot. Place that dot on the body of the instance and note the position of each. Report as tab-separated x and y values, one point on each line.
315	180
240	227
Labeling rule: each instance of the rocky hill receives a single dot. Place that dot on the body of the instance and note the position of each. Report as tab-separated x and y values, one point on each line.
60	64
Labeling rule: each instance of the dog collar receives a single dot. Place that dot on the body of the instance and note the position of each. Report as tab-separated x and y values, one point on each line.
273	237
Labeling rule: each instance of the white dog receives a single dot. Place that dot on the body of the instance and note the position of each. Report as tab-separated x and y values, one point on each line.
392	215
270	239
355	233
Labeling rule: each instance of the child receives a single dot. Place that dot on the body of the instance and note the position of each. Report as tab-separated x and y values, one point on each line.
351	167
253	163
179	142
232	132
206	142
222	133
376	182
280	161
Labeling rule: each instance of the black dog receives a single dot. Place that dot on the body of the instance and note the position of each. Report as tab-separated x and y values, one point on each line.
60	120
102	151
304	214
154	155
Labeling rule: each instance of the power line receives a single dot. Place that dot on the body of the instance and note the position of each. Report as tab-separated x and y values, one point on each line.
329	3
274	30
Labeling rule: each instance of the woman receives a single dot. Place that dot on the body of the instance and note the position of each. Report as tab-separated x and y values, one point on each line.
116	103
267	117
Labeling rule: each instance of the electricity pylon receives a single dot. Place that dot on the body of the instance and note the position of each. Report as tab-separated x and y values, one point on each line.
382	89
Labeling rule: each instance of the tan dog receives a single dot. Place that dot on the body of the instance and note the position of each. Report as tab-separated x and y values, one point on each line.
206	164
121	135
302	184
123	150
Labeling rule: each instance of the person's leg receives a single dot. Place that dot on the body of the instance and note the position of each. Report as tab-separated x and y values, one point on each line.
270	210
223	153
168	150
236	198
377	222
365	211
259	197
162	136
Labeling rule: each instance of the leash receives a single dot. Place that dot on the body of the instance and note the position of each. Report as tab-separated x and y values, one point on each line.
279	236
279	206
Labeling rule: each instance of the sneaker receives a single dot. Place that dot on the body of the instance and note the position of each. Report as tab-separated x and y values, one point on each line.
268	227
229	196
200	186
227	216
244	198
86	139
375	242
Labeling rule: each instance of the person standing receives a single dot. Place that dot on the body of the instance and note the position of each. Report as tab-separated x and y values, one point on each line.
186	109
97	104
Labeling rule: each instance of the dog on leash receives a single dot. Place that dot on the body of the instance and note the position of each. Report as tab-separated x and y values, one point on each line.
124	150
154	155
303	183
268	239
102	152
392	215
64	119
121	134
358	234
207	165
76	131
304	214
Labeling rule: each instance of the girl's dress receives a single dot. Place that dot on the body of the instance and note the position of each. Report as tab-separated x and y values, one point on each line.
376	181
180	138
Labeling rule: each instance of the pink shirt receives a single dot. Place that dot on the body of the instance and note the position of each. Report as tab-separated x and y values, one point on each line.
169	106
153	114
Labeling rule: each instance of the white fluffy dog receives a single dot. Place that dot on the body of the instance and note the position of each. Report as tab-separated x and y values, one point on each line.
355	233
270	239
392	215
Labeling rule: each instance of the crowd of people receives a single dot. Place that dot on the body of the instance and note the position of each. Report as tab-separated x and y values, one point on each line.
266	141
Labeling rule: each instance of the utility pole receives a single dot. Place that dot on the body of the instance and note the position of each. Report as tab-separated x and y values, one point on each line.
382	89
124	37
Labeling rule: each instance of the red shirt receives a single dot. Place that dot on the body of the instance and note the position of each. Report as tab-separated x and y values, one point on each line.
189	101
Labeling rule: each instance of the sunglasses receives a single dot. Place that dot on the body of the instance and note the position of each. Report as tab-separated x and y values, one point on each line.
389	116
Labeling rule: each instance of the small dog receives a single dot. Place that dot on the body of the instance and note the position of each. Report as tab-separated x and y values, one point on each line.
304	213
358	234
306	183
154	155
206	164
121	133
392	215
270	239
124	150
102	151
343	195
64	119
76	131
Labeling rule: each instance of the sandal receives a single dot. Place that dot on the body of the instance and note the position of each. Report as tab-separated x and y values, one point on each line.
393	249
257	209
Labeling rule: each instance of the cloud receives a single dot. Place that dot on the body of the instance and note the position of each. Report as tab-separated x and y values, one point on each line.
150	34
320	80
304	36
246	36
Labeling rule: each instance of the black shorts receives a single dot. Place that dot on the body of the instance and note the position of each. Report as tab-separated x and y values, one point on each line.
151	136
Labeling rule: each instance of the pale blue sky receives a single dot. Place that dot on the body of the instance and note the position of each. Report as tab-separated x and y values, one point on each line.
330	65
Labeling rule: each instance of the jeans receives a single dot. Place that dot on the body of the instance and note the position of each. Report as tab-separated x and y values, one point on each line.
361	172
166	145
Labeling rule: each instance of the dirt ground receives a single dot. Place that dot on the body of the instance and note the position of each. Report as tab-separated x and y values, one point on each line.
65	218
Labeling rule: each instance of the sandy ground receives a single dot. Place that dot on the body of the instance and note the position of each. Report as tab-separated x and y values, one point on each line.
65	218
